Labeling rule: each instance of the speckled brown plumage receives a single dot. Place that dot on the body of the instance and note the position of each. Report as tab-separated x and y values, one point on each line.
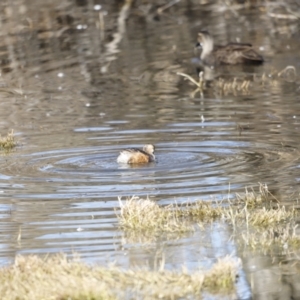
232	53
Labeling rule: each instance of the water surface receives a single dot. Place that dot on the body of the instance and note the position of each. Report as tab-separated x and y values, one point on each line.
77	93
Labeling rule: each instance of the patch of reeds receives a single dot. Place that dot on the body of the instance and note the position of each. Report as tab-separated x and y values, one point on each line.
8	142
56	277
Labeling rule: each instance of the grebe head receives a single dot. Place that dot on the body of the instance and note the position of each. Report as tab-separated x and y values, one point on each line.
149	149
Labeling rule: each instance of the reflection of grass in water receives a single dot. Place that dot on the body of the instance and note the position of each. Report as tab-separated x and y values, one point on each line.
8	142
242	85
56	277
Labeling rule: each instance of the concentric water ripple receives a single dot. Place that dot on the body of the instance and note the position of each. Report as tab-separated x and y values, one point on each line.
183	171
67	200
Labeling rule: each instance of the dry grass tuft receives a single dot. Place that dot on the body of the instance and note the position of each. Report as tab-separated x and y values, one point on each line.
8	142
143	221
34	278
254	199
250	198
145	216
201	211
280	238
264	217
222	276
258	217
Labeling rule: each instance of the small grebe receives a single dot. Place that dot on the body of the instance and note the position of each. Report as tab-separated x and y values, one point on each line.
137	156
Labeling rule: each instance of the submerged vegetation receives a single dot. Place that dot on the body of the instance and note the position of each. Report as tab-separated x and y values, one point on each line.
56	277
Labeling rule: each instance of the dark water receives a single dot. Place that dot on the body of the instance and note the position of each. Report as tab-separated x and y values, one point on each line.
77	88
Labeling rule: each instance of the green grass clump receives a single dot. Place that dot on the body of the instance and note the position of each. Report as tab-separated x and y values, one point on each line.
56	277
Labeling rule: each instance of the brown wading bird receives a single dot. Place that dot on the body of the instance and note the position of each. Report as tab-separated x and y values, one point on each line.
137	156
232	53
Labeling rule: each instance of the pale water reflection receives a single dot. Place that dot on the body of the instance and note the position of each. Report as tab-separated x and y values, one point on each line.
76	95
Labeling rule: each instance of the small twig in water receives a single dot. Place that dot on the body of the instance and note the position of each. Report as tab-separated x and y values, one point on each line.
198	84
